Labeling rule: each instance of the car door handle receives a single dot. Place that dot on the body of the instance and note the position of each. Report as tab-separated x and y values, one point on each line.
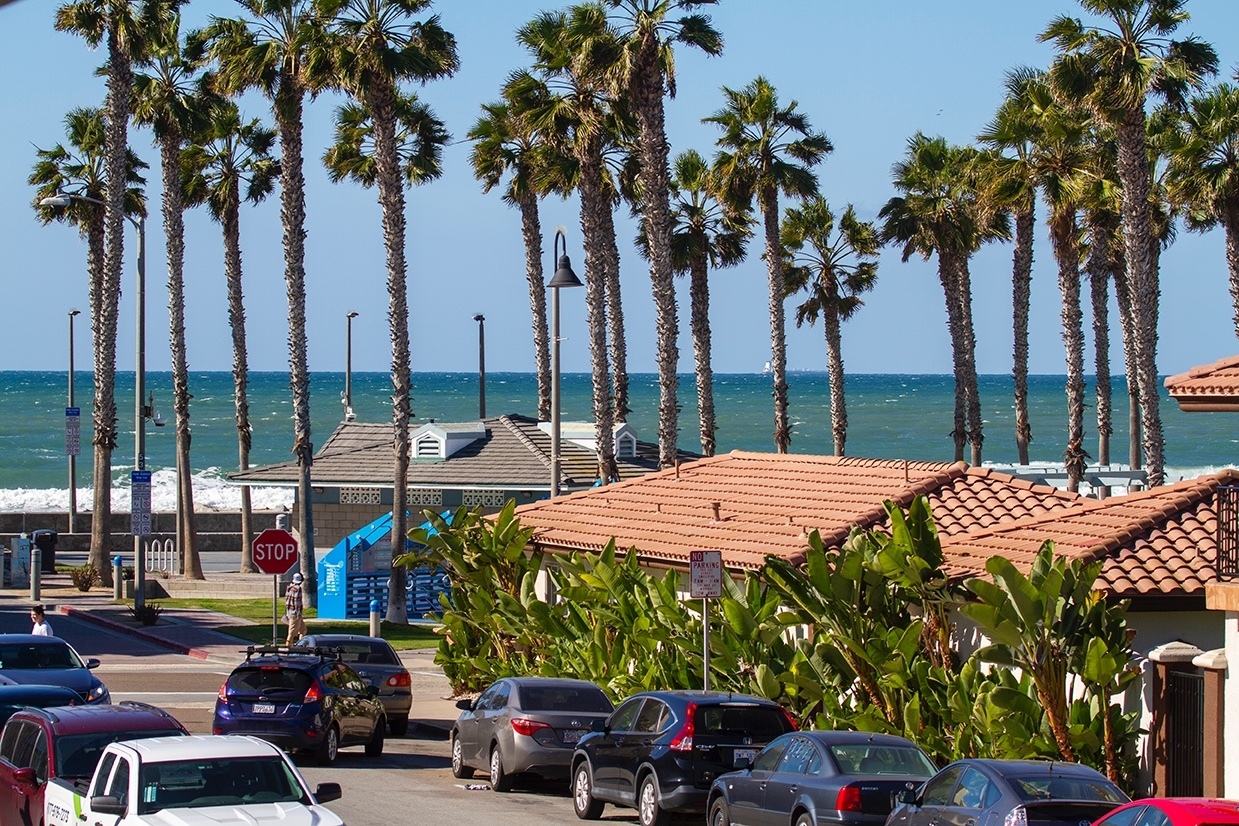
971	822
762	786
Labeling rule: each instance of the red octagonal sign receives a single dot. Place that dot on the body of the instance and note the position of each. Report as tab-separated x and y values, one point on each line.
275	551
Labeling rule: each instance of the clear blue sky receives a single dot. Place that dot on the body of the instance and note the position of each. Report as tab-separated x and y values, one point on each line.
868	75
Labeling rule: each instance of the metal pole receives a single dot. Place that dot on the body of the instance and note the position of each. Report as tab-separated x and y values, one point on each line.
348	366
481	320
275	599
139	429
72	457
705	640
36	572
554	391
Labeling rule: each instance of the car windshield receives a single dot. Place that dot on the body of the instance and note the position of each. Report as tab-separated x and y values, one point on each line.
234	781
23	656
1049	787
269	679
77	754
564	698
865	758
365	653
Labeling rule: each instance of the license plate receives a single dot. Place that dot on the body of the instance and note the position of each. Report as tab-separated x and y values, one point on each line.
264	708
572	735
743	754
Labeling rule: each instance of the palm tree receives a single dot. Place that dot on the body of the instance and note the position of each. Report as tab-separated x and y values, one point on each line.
767	149
833	265
376	46
225	156
1113	69
279	48
648	72
1204	170
168	99
940	213
125	27
1013	130
504	145
703	235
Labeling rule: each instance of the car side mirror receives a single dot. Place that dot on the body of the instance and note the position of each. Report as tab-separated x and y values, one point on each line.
372	691
464	705
92	662
327	792
743	763
909	797
25	775
107	806
598	725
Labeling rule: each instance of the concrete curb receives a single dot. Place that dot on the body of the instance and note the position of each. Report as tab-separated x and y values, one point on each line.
180	648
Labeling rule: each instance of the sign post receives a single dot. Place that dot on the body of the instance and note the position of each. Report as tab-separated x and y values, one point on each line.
705	581
275	553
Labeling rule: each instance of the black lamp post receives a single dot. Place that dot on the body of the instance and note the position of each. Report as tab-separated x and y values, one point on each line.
72	449
349	415
481	320
563	277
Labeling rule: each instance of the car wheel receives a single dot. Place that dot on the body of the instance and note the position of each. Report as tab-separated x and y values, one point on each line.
329	749
459	769
649	812
375	747
719	816
805	819
400	726
583	801
500	780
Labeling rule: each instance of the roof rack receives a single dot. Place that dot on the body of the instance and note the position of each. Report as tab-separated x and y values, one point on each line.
138	704
321	651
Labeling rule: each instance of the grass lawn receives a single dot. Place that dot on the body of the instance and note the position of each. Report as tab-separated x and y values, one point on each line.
259	611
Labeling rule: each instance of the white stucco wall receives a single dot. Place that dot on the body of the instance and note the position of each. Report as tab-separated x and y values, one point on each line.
1230	725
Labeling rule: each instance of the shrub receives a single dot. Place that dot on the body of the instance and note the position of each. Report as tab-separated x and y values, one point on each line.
84	577
148	614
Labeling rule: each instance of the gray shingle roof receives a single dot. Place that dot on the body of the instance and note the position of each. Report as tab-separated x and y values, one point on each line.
515	453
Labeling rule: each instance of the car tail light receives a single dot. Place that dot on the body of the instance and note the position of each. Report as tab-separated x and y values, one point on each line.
313	694
791	721
527	727
401	680
217	730
683	740
848	799
223	692
1016	817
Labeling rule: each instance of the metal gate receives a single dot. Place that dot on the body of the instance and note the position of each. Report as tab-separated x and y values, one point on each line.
1185	734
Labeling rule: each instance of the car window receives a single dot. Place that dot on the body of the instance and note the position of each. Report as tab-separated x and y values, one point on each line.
938	790
972	790
119	787
796	758
1153	816
38	655
485	699
351	680
563	698
38	755
761	723
769	757
654	717
362	653
1058	787
865	758
77	754
101	775
269	680
502	692
626	714
1126	817
14	741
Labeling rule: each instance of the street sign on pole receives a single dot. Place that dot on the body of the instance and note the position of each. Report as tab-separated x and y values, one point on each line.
706	574
275	551
73	431
140	503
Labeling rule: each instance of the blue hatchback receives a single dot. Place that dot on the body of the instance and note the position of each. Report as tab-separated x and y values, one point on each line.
302	700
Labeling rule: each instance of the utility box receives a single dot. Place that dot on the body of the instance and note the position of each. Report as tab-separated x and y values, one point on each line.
19	566
45	540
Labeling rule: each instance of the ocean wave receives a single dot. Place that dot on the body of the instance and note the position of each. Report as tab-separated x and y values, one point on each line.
212	492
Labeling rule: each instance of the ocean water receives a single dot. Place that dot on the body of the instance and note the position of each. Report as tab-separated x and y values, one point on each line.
890	416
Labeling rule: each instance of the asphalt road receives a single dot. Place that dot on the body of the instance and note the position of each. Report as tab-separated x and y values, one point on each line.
411	782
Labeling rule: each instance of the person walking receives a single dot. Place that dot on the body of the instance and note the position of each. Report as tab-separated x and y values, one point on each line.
41	626
292	610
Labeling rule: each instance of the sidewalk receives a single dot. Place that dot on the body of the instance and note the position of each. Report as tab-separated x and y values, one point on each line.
193	632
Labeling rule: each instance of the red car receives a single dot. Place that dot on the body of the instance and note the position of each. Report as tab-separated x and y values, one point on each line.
1173	811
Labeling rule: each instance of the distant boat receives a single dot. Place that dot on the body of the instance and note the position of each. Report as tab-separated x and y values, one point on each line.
766	369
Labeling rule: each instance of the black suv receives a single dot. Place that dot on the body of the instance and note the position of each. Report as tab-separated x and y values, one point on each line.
300	699
660	751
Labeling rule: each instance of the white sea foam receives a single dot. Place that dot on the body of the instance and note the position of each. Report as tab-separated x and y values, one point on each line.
211	493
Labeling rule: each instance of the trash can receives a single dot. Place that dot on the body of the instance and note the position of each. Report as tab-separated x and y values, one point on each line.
45	541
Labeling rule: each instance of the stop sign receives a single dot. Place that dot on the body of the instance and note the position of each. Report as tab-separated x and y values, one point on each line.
275	551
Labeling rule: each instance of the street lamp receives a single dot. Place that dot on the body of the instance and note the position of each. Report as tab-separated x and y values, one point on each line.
72	448
349	415
140	411
563	277
481	320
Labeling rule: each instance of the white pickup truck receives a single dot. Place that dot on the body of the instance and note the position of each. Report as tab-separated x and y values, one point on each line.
184	781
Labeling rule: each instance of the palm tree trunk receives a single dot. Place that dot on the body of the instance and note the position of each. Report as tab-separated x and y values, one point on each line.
531	231
1099	281
1118	271
95	254
174	235
230	220
778	333
292	214
656	186
593	205
947	277
380	100
972	388
618	342
1133	166
834	368
1063	235
1021	295
1230	223
699	296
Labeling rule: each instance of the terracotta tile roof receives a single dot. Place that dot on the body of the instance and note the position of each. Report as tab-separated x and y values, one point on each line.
515	453
1209	387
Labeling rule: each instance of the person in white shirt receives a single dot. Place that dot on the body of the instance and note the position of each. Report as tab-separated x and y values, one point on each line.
41	626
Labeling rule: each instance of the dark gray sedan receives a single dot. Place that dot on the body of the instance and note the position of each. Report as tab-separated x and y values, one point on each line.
524	725
375	661
810	778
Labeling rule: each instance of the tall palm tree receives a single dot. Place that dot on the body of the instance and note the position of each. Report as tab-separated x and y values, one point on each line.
939	213
125	26
504	145
279	49
704	235
575	54
168	98
226	156
1204	171
1009	137
376	46
647	73
1113	69
832	264
767	149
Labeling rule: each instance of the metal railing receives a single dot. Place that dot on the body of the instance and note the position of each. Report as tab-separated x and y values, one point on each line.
161	556
1226	502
